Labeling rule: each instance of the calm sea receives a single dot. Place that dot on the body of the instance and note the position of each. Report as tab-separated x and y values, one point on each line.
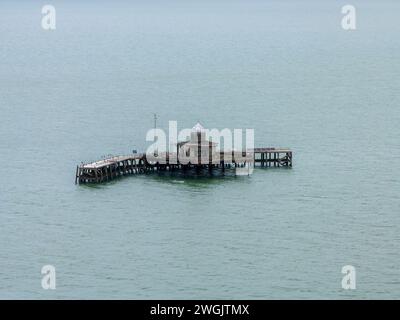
285	68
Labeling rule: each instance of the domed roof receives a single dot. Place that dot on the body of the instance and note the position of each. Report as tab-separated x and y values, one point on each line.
198	127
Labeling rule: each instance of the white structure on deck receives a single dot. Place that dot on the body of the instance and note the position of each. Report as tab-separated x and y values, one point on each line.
198	149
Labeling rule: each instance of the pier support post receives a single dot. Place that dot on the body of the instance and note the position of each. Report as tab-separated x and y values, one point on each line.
76	175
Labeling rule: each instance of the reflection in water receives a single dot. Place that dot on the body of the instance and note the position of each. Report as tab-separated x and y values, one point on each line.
197	178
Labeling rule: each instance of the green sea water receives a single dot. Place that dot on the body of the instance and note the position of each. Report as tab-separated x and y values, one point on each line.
287	69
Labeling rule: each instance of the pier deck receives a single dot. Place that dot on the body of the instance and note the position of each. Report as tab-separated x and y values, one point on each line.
113	167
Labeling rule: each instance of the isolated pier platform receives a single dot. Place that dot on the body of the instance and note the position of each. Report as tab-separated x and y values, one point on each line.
117	166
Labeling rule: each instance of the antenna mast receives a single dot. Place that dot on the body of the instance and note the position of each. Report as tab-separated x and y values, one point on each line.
155	120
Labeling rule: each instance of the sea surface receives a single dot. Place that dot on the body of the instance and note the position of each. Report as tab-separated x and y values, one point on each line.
287	69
